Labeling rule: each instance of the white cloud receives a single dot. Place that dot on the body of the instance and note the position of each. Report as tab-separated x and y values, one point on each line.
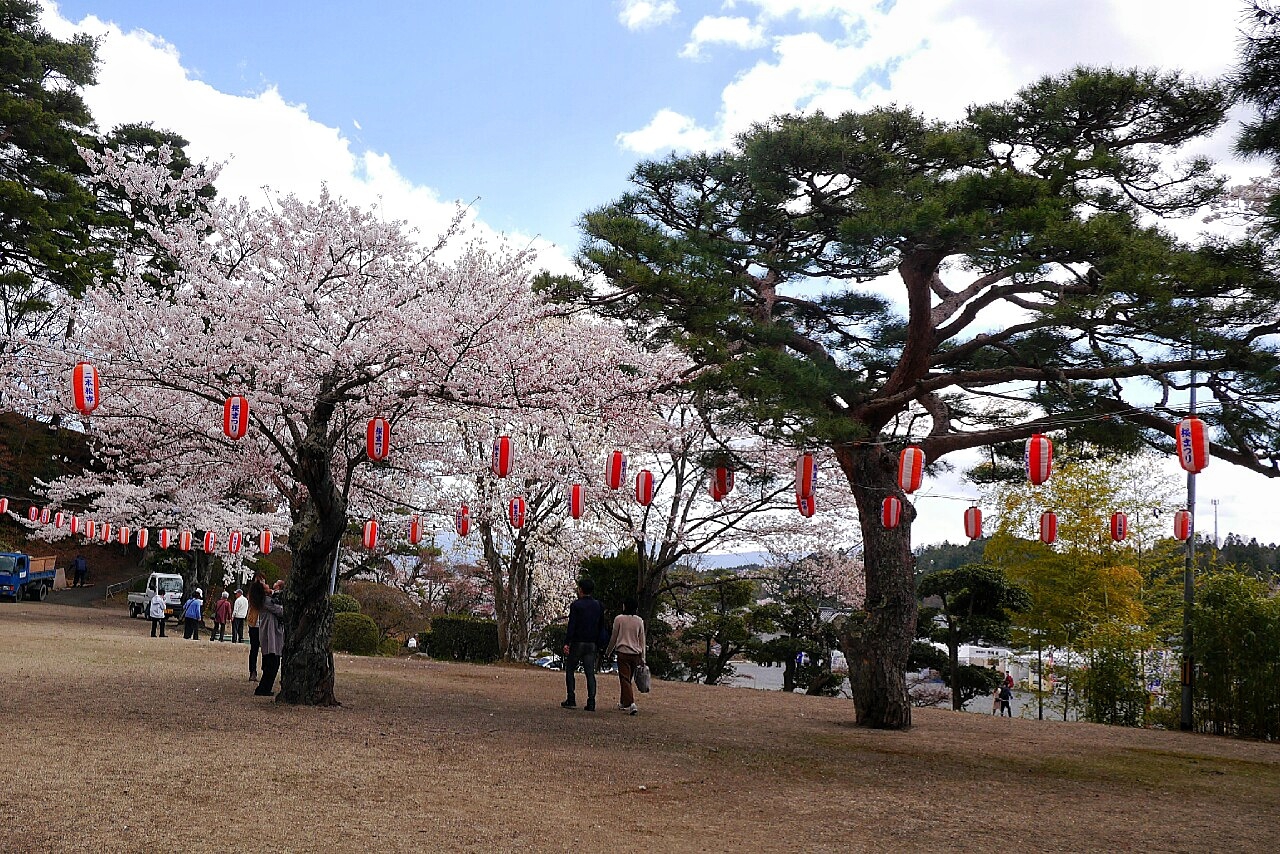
736	32
646	14
939	56
265	141
666	131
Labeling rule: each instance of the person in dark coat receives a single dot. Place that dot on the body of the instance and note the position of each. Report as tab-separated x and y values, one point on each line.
79	569
586	615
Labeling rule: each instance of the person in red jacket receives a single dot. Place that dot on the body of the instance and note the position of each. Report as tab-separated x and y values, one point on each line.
221	616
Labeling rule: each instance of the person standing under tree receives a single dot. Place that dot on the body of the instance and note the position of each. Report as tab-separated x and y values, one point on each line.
256	596
239	610
270	635
221	616
586	616
79	569
156	611
1006	698
192	614
627	638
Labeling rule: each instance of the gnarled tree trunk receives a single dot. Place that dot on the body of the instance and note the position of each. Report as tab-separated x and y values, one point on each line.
319	521
877	645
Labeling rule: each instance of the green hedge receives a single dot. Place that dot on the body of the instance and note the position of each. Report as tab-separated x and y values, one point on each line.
460	638
344	604
355	633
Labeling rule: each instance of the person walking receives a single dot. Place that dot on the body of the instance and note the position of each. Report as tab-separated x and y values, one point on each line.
1006	699
252	616
586	616
996	702
79	569
627	639
155	610
191	615
239	610
221	616
271	636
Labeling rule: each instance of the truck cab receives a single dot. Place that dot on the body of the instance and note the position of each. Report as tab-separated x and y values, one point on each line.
22	575
169	585
13	574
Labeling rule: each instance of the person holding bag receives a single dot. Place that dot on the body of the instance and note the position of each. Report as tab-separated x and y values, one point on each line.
627	639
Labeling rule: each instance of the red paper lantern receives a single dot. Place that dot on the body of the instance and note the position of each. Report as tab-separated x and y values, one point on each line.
910	469
33	513
44	516
59	518
724	480
210	542
1048	527
184	541
166	538
807	505
615	470
973	523
1192	438
233	542
377	439
235	417
806	475
577	500
90	529
1039	458
501	465
462	521
84	387
144	536
644	488
371	534
1119	526
891	511
716	494
1182	525
76	524
124	535
4	505
415	530
516	511
106	532
264	542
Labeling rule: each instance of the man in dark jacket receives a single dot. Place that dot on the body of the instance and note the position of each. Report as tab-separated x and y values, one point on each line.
585	617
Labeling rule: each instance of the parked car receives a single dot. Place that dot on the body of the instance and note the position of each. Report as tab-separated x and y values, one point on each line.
550	662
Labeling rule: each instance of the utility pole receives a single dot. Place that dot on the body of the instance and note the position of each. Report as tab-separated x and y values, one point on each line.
1186	721
1214	502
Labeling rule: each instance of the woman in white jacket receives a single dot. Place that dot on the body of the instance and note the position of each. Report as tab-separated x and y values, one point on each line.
156	609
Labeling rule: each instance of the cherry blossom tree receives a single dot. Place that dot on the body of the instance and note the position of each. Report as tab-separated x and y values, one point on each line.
323	316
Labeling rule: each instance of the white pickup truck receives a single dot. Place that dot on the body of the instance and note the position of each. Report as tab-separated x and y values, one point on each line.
169	585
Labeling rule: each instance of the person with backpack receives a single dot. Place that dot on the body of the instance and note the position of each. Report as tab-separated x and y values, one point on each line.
581	639
627	639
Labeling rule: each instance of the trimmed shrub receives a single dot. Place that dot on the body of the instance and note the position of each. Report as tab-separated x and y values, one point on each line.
461	638
344	604
355	633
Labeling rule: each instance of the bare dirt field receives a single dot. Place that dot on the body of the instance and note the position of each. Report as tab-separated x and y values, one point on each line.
117	742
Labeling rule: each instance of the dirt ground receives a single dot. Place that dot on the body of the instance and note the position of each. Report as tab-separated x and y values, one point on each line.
117	742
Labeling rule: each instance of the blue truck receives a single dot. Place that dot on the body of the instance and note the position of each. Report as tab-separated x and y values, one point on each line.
22	575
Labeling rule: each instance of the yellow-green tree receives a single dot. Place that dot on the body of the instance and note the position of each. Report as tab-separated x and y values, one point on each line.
1084	580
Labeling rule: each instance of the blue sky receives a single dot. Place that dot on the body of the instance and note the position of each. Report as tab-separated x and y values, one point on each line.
540	108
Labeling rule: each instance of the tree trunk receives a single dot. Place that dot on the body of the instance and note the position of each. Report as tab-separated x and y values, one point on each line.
319	521
953	653
877	642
